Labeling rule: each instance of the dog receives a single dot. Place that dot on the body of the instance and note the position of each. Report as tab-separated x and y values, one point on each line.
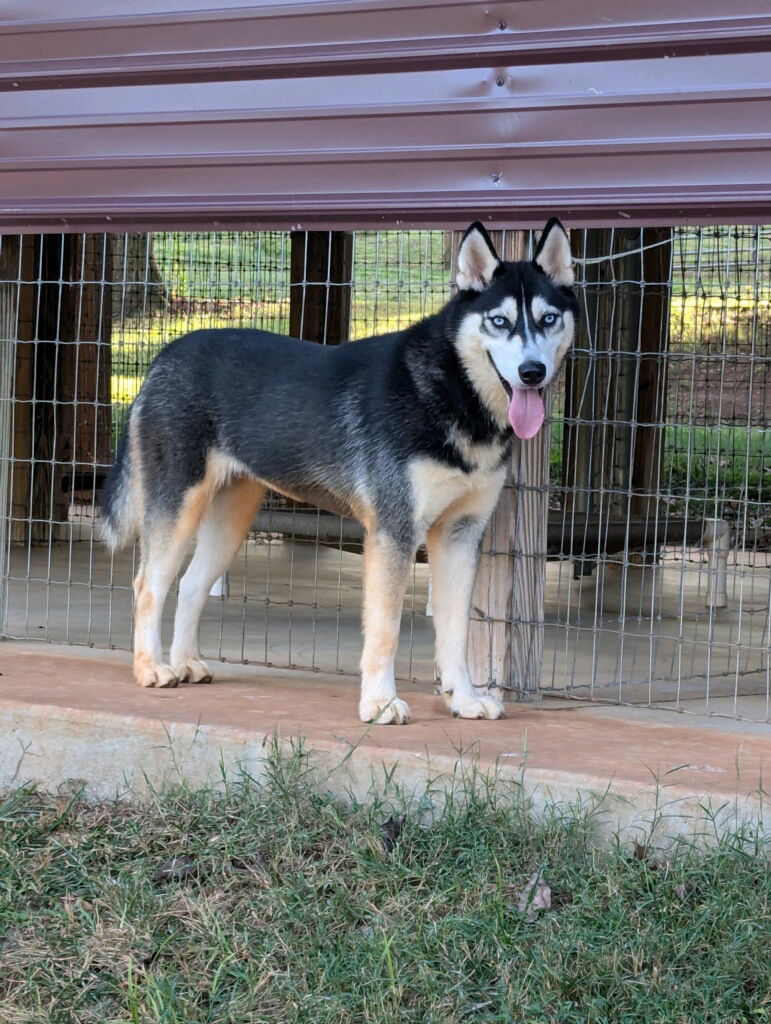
409	432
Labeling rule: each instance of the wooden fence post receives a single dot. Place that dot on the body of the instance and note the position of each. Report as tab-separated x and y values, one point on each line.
506	629
320	286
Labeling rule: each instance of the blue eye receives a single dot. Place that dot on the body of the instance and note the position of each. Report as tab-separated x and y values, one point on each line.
499	321
549	320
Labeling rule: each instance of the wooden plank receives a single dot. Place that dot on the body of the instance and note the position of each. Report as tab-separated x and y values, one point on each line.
83	385
320	286
10	248
650	412
25	270
62	413
616	378
46	502
530	484
506	628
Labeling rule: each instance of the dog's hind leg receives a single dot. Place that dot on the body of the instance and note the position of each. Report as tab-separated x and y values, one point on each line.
453	553
220	535
387	564
163	547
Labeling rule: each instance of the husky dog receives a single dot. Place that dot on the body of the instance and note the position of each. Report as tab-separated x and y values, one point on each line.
408	432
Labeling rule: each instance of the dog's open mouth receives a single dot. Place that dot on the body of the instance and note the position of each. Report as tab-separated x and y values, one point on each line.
526	408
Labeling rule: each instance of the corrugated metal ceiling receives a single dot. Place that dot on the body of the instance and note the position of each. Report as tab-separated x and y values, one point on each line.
341	114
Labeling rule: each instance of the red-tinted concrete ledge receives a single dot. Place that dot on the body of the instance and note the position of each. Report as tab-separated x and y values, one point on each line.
68	713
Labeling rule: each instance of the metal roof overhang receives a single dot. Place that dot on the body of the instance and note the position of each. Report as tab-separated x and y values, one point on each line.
326	114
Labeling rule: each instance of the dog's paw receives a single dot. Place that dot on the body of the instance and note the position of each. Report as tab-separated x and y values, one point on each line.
477	707
154	673
384	711
192	670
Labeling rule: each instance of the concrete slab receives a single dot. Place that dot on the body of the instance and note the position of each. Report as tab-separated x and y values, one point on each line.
68	714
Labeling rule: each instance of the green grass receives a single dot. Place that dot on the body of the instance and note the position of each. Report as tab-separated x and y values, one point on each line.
718	464
292	909
713	466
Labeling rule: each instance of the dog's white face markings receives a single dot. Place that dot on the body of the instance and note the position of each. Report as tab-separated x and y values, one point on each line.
558	325
544	335
503	317
487	351
472	348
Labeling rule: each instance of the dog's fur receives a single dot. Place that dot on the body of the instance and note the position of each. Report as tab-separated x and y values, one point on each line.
409	432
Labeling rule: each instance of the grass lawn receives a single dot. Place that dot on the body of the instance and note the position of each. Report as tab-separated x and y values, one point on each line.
271	903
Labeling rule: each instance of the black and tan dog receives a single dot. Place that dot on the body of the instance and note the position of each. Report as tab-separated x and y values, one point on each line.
408	432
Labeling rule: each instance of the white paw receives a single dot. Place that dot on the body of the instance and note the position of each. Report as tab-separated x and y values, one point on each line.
477	707
192	670
384	711
154	673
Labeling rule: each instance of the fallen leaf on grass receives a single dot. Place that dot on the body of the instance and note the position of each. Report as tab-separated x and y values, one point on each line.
390	831
651	857
176	869
534	897
255	866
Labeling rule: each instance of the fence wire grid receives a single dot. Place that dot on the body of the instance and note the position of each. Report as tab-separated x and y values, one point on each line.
653	477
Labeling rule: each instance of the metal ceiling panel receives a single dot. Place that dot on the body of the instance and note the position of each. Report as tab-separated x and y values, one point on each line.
342	114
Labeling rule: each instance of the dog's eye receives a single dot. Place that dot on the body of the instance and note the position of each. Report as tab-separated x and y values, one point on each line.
499	321
549	320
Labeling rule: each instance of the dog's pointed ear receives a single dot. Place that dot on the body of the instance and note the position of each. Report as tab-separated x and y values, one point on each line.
553	254
477	260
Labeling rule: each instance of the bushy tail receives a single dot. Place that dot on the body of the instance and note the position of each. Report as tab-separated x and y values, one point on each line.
119	498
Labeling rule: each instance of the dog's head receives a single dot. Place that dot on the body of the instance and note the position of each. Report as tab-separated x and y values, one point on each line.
517	322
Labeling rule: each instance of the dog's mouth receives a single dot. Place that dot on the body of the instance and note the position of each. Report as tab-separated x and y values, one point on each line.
504	383
526	408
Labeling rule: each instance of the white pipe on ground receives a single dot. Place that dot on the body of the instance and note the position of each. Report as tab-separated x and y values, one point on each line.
717	541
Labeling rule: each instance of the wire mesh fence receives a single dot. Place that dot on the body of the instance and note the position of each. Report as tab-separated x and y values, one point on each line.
656	474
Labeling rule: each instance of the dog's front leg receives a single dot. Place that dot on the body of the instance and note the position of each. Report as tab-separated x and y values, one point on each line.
387	564
453	553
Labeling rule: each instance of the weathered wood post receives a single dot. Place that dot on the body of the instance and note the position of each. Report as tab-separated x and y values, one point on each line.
84	387
10	250
320	286
615	380
61	414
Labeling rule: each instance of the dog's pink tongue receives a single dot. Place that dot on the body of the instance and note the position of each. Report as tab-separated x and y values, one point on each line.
526	413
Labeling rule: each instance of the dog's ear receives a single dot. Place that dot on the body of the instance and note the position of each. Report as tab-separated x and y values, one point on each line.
477	260
553	254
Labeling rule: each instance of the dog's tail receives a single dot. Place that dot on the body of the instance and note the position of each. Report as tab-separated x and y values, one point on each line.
121	500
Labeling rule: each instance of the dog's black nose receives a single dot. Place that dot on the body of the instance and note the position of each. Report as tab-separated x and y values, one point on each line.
532	373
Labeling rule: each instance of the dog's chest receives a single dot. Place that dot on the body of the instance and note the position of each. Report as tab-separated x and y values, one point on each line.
437	487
